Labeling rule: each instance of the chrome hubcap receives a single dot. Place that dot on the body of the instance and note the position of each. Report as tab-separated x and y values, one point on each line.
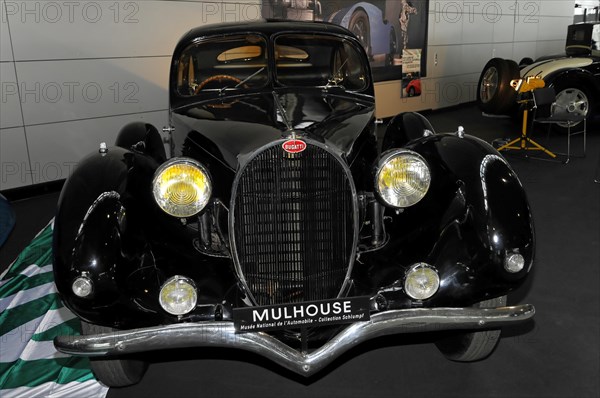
572	100
489	85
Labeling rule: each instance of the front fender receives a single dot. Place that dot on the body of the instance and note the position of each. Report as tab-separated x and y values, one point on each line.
575	78
546	68
474	215
95	175
498	210
405	127
89	232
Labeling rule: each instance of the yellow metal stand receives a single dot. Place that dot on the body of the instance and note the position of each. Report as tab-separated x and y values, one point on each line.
526	143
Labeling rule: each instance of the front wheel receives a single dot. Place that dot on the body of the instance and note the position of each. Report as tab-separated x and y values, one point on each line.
470	347
359	25
572	99
494	92
114	372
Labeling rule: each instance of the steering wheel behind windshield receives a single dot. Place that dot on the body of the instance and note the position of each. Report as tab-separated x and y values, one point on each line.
215	78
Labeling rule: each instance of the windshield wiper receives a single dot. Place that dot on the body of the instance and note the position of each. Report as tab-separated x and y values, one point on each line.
243	81
283	113
336	79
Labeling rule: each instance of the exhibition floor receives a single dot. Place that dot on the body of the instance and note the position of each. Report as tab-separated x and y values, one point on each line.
555	355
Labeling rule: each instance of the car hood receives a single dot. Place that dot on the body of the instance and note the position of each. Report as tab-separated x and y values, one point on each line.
230	128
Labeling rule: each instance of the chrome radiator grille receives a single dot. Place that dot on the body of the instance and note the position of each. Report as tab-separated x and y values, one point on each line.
293	224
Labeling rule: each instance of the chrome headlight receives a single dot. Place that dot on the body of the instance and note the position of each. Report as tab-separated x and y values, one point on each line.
181	187
402	178
422	281
178	295
82	286
514	263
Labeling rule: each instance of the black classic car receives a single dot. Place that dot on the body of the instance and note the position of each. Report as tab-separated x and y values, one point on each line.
575	75
277	224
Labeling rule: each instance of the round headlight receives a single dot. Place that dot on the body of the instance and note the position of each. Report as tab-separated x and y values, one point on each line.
178	295
422	281
82	286
181	187
402	178
514	262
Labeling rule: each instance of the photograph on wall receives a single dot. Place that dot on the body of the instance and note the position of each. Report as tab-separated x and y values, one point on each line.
393	32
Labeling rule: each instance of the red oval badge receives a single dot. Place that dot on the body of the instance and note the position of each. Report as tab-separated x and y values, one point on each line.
294	146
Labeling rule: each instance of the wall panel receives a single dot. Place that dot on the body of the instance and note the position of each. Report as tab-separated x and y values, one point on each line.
5	44
56	91
56	148
100	29
10	103
15	169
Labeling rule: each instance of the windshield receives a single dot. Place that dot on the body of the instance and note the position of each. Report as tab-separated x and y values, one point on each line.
224	63
319	60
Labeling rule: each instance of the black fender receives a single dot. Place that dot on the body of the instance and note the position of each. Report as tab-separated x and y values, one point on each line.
94	175
109	229
580	78
134	133
474	215
497	221
404	128
98	255
89	231
525	61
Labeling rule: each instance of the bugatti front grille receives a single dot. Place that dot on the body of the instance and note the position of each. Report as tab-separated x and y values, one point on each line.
294	224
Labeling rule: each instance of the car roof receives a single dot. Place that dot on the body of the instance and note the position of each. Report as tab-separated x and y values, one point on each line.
265	26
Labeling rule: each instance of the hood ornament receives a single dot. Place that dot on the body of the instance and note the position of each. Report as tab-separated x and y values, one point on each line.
293	144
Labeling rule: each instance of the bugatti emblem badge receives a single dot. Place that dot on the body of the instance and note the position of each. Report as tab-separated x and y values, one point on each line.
294	146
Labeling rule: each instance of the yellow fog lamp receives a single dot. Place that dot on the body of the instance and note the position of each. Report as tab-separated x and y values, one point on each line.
422	281
178	295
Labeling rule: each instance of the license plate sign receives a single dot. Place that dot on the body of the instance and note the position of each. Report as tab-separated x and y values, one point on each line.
300	315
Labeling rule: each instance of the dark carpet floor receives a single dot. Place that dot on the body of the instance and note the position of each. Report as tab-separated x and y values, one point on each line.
555	355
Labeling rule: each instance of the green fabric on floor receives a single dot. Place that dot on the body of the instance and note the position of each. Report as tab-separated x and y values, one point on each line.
31	316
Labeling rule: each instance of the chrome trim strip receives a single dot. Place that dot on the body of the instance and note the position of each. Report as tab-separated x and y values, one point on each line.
101	198
222	334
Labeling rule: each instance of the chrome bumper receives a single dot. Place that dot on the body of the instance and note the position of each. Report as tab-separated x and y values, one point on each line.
222	334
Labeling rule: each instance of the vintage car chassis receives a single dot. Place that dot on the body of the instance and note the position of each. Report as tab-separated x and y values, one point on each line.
574	76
